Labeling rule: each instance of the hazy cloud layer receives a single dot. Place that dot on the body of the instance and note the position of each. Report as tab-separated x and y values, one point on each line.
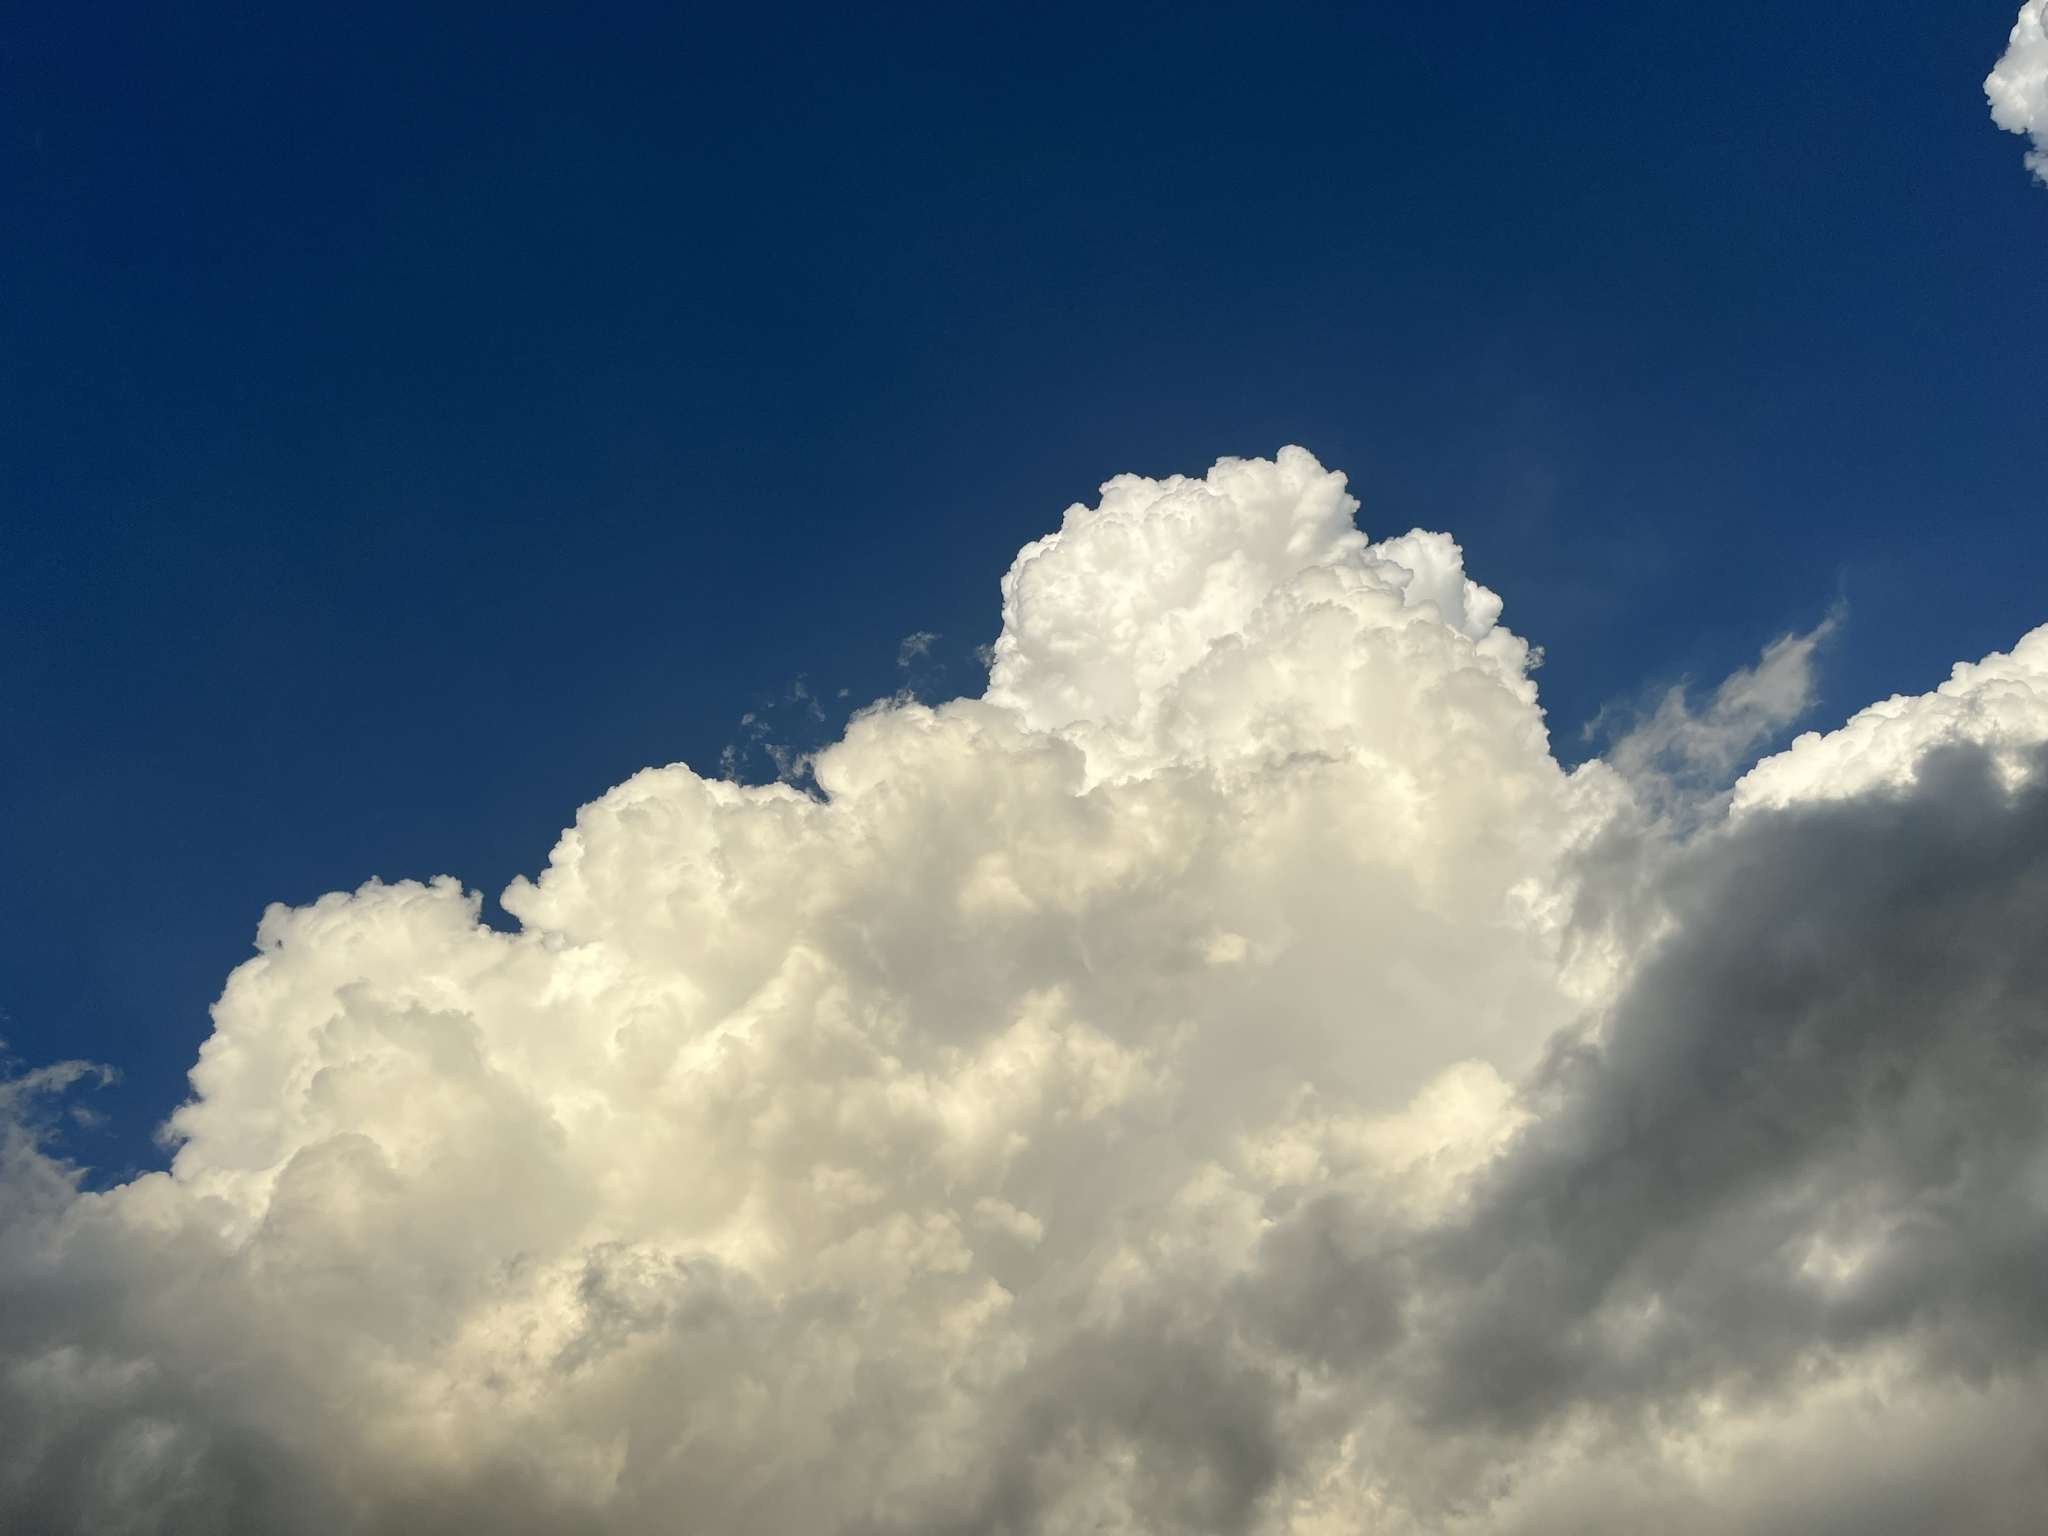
2017	86
1227	1078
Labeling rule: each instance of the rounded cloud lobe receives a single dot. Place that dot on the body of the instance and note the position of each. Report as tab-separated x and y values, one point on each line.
1226	1078
2017	86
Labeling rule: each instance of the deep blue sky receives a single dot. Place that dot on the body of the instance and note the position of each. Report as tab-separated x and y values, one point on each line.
415	418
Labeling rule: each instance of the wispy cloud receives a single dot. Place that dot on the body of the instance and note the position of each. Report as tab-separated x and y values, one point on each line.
1683	762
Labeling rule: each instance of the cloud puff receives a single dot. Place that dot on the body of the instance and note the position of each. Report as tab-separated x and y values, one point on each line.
2017	86
1226	1078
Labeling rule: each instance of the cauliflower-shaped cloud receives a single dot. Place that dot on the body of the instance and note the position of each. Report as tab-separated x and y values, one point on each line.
1228	1077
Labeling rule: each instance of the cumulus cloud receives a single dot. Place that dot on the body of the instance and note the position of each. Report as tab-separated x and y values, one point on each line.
2017	86
1228	1077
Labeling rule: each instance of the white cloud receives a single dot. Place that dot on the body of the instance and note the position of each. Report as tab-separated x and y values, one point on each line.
1168	1093
2017	86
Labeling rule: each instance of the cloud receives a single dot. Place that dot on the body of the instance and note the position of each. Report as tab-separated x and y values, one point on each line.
1680	761
2017	86
1228	1077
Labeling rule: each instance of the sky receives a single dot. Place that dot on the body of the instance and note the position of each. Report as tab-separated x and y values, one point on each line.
419	418
1100	981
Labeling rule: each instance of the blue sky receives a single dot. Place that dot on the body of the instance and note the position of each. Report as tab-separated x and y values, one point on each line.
413	423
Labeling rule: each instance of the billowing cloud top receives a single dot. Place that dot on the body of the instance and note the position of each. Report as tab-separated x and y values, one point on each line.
1226	1078
2017	86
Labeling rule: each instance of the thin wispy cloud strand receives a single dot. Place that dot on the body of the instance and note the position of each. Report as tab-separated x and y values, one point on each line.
1681	761
1229	1077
